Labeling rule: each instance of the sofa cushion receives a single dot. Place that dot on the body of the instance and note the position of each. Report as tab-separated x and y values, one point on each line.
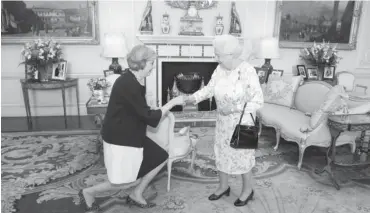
281	92
288	120
333	102
277	115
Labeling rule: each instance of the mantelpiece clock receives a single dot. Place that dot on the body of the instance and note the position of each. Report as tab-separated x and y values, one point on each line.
191	21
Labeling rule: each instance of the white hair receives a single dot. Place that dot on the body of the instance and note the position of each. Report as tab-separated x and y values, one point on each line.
228	44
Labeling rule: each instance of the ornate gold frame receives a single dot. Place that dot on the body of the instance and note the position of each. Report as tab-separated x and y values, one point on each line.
92	40
351	45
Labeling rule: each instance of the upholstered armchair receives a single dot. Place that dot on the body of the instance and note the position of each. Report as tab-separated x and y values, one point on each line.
348	80
179	145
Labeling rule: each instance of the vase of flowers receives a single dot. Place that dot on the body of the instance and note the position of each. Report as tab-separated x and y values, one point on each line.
42	54
98	87
320	55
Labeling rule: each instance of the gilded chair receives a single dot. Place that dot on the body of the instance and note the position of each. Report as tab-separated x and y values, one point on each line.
178	145
348	80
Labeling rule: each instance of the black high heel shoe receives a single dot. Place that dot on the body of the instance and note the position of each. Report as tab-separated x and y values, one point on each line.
131	202
216	197
239	202
94	206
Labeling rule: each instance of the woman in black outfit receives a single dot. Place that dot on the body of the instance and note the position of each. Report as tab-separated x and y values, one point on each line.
129	155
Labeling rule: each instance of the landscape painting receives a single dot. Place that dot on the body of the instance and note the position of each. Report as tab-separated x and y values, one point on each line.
71	22
300	23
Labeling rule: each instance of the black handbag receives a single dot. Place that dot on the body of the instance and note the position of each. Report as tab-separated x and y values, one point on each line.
245	136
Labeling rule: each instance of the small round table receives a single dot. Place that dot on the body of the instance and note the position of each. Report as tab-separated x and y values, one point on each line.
49	85
338	124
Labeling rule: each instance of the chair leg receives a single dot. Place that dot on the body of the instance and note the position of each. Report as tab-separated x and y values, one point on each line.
169	170
301	153
353	147
260	129
278	136
193	154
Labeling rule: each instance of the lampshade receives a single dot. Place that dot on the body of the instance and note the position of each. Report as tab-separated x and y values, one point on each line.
114	45
268	48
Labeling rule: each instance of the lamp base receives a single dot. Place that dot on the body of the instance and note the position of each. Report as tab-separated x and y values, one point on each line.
115	66
269	67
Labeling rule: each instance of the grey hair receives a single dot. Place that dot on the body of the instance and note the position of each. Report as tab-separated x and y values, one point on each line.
228	44
138	57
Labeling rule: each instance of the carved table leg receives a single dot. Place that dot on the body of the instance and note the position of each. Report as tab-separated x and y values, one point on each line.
335	134
99	123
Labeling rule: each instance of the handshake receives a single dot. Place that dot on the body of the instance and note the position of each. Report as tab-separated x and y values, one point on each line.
182	100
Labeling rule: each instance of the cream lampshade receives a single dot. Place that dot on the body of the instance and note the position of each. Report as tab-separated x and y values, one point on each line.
115	47
268	49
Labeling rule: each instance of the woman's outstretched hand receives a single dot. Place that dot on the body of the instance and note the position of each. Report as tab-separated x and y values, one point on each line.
189	99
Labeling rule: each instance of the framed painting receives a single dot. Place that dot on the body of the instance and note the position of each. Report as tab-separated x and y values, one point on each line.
67	22
300	23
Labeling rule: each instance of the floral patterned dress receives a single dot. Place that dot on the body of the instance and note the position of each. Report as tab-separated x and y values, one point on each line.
232	89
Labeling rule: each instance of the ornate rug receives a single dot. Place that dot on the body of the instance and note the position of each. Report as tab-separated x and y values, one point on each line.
279	186
28	162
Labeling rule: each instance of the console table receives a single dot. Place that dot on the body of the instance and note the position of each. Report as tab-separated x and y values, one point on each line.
49	85
341	123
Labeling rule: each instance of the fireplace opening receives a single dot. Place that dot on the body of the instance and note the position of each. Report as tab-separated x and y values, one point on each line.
172	69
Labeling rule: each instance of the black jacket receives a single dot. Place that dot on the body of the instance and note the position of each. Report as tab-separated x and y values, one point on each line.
128	114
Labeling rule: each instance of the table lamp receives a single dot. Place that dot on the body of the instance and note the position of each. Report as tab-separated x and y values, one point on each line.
115	47
268	49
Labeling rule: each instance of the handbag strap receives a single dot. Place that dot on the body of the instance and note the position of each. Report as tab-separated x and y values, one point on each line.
241	116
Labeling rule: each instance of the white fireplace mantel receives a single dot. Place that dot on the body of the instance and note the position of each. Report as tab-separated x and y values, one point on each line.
177	39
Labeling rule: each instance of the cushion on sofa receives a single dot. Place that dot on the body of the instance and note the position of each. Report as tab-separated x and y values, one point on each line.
334	101
276	115
281	92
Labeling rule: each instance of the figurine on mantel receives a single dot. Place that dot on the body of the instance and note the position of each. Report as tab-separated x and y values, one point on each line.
235	27
146	25
165	24
219	25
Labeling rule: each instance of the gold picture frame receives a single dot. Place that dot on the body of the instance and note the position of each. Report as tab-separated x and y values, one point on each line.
283	43
76	24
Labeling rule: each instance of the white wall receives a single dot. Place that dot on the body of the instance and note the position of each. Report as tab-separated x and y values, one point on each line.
85	61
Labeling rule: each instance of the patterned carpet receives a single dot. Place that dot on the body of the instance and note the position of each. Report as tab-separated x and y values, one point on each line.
44	173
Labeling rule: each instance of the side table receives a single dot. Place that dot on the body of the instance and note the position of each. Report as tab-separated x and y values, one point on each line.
49	85
337	125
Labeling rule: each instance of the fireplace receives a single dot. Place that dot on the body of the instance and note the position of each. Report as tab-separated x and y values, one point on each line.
172	69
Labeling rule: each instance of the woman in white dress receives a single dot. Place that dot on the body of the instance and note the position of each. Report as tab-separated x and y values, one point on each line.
233	83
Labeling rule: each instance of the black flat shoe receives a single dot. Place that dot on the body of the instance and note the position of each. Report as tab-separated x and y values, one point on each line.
94	206
131	202
239	202
216	197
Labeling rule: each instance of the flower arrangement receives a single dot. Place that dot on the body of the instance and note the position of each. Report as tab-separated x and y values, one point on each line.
97	84
41	52
320	54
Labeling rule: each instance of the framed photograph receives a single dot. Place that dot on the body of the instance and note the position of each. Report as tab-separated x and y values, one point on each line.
329	73
278	73
262	74
312	73
59	71
67	22
333	21
302	70
108	72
